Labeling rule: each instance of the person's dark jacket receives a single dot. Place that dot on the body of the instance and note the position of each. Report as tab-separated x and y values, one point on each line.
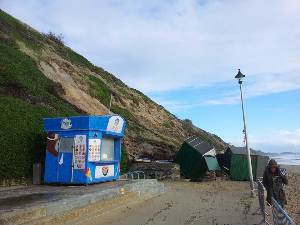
273	183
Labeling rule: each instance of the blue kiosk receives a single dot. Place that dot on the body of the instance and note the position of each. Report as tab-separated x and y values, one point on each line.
83	149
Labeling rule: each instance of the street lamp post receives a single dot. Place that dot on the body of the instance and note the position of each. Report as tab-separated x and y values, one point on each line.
240	77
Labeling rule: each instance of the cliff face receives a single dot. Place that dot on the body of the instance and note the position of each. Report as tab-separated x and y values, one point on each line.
151	130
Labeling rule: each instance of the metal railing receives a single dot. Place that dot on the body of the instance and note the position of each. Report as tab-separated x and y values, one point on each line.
132	173
279	215
261	201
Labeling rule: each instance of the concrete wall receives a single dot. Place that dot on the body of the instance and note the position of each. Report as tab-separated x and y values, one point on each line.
159	171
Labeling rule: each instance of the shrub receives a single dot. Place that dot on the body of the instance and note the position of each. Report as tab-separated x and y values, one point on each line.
57	39
125	162
136	101
167	125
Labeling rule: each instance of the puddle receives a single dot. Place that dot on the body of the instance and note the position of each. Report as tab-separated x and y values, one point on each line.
7	203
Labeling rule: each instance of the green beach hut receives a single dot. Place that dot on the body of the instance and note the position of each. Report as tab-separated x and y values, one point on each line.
195	159
235	161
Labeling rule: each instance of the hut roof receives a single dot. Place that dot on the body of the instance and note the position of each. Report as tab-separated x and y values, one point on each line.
241	151
199	145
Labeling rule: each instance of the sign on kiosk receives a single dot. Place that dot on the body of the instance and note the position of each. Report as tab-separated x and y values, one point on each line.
104	171
115	124
80	152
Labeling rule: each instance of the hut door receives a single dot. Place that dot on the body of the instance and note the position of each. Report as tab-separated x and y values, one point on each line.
65	159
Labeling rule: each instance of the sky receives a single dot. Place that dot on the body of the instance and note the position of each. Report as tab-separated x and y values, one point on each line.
185	54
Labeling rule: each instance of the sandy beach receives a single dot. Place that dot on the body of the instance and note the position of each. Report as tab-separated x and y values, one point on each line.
293	168
219	201
293	192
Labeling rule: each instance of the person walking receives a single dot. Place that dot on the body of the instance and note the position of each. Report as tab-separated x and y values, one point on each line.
273	180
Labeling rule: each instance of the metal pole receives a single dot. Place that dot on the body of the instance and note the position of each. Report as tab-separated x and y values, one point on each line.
109	104
247	144
72	166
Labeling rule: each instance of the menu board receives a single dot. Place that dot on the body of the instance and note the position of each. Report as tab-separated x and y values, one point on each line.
80	152
94	150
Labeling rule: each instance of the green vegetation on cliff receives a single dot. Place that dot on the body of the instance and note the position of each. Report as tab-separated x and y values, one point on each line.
26	97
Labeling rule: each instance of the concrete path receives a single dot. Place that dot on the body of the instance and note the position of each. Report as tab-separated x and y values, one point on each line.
45	204
132	202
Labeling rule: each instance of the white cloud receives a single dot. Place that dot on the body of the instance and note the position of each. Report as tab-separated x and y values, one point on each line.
259	85
175	106
169	45
280	138
272	141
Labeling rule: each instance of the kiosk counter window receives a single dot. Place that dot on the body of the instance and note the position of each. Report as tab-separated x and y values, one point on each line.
108	149
83	149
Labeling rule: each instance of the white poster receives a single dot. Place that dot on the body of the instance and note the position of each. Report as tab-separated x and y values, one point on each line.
80	152
104	171
115	124
94	150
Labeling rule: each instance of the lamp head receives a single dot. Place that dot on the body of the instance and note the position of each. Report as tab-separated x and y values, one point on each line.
240	76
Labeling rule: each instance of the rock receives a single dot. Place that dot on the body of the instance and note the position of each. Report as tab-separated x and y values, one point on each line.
160	171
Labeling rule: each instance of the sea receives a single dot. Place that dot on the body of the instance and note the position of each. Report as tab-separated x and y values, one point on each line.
286	158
